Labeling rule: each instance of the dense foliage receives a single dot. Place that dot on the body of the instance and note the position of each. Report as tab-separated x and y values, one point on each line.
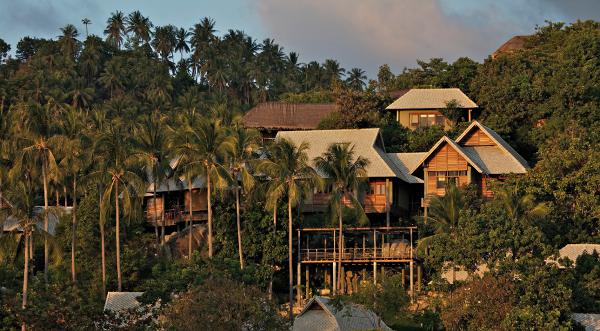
85	120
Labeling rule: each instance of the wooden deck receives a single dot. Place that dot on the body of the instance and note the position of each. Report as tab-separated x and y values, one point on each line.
174	216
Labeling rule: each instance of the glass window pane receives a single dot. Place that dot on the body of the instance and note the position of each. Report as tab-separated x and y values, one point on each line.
414	119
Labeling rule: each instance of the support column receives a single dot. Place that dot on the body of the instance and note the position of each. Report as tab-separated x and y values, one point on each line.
334	278
411	282
375	272
387	202
403	277
298	288
306	268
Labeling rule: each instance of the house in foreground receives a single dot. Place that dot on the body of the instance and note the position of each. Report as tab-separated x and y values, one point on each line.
271	117
320	315
392	192
479	156
422	107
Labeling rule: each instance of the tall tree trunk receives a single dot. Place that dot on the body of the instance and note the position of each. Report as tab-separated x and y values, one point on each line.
290	262
57	198
272	260
102	252
239	227
65	192
190	182
117	235
45	179
74	229
208	199
25	276
340	248
155	210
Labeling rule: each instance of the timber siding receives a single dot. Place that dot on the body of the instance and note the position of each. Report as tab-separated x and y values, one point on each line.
479	155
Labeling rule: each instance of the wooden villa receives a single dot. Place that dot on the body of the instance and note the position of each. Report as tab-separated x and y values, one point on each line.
366	254
416	108
173	202
392	192
272	117
479	155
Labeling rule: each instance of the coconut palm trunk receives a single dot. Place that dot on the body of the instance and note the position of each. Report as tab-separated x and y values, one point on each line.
117	236
102	250
25	276
155	211
190	219
340	247
290	262
209	203
239	227
74	230
45	180
273	265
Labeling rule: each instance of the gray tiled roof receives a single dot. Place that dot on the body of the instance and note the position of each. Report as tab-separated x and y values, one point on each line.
501	143
120	301
591	322
434	98
405	162
319	315
367	143
490	160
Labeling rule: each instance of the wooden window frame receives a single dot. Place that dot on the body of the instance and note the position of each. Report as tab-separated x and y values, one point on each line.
436	114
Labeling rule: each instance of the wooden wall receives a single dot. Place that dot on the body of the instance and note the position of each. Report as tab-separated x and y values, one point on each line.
445	158
477	138
199	200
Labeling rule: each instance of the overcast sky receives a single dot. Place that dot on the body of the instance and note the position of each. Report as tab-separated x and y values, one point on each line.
358	33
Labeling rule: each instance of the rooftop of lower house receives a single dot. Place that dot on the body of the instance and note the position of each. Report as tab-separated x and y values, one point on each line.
288	116
431	98
367	143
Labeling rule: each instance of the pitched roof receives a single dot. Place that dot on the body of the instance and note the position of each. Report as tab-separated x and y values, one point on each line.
405	162
573	251
12	224
435	98
591	322
513	44
452	144
490	160
288	116
175	184
521	165
319	315
367	143
120	301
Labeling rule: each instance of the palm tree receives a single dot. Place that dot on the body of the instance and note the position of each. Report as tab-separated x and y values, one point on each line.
443	213
140	26
111	77
86	21
333	70
73	145
356	79
115	29
68	40
201	144
123	182
291	175
38	151
240	146
151	145
181	45
164	41
22	209
345	174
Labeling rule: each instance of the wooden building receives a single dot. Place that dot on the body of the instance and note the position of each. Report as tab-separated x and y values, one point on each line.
366	254
479	155
392	192
272	117
173	202
421	107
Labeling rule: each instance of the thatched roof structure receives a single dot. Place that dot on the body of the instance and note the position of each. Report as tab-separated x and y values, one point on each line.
288	116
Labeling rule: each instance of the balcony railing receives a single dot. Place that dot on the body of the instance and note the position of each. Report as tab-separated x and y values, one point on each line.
357	254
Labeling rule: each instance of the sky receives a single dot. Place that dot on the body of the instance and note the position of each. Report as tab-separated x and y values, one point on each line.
357	33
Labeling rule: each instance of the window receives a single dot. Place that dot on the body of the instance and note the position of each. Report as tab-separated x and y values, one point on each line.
445	178
377	189
426	119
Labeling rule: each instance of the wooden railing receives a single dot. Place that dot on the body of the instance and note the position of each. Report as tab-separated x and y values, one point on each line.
372	203
356	254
